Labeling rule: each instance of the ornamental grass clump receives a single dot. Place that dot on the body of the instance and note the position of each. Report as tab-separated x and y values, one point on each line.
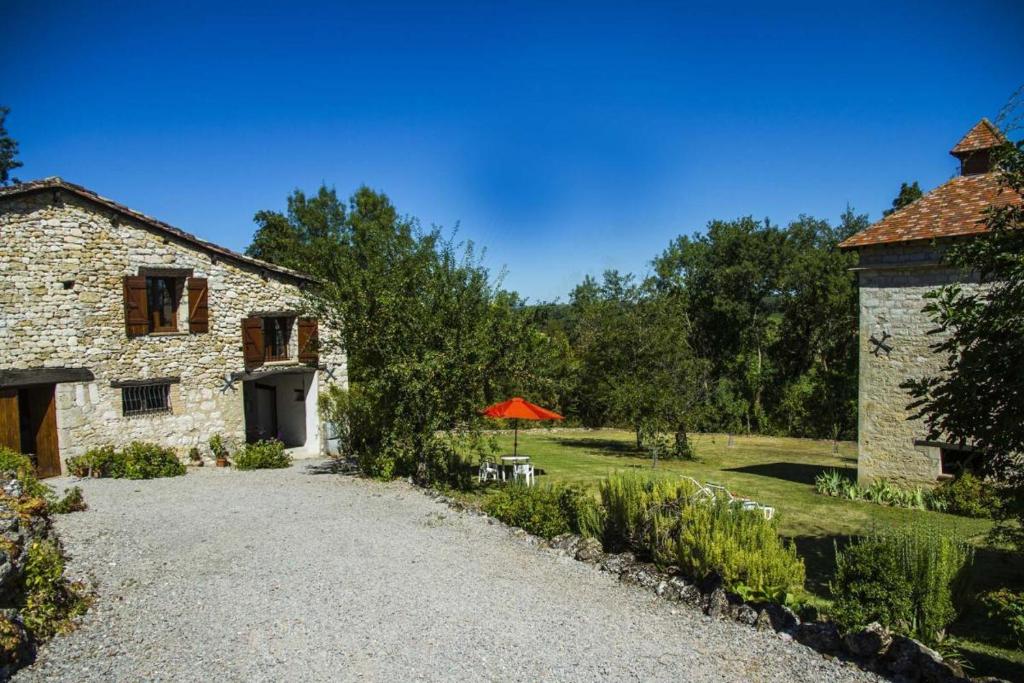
912	580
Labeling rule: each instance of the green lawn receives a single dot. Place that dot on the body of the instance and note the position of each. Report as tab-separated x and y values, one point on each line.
780	472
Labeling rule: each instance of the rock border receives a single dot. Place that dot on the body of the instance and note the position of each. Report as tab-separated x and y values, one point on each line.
873	648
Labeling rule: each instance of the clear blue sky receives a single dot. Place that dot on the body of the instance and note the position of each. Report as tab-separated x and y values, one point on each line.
566	138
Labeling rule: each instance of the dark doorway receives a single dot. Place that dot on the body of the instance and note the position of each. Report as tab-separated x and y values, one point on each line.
28	424
261	412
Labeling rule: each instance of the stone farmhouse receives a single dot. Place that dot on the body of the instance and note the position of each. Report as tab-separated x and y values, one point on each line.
899	262
119	327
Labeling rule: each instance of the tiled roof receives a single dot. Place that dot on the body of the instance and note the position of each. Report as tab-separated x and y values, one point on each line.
55	183
984	135
954	208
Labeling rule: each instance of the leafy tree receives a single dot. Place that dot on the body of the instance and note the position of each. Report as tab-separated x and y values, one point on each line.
637	366
429	337
908	195
295	239
8	151
977	400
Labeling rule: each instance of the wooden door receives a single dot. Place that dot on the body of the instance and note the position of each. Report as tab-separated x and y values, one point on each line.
10	420
39	428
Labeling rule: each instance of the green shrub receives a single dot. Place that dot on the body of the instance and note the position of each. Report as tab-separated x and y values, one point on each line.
73	501
967	495
537	509
1007	608
744	548
668	522
150	461
104	461
870	584
50	602
912	580
262	455
580	509
139	460
21	465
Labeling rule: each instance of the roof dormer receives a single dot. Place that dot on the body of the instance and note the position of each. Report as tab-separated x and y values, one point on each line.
975	149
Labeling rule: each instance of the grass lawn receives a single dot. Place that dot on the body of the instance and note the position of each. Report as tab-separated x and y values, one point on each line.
780	472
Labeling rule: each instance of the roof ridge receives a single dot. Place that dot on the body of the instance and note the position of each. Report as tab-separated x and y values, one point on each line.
56	182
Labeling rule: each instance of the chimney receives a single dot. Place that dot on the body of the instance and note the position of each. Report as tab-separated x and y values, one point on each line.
975	149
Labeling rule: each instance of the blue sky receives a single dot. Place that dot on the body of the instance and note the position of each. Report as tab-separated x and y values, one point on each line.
566	138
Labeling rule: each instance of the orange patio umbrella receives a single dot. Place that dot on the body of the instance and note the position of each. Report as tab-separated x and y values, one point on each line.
517	409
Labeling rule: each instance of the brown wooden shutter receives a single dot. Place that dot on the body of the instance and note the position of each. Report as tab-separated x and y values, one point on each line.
136	313
252	341
309	343
198	308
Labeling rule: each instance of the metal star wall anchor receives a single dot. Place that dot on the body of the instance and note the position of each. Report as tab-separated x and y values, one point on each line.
880	344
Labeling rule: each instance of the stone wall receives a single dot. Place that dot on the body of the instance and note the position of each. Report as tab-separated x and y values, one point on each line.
893	281
62	263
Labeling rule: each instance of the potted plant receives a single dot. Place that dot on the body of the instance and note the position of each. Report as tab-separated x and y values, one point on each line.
195	457
219	450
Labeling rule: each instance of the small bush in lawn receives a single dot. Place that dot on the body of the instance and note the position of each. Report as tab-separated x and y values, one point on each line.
967	495
21	465
1007	609
104	461
262	455
537	509
150	461
73	501
912	580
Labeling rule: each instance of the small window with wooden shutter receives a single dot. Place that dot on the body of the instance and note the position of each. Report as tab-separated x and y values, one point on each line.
252	341
198	305
309	343
136	306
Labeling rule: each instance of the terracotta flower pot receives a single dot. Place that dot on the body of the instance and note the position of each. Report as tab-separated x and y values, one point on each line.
222	462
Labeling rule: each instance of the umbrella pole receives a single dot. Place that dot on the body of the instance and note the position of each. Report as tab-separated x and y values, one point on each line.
515	443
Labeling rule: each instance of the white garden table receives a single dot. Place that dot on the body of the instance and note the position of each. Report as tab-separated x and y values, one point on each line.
513	460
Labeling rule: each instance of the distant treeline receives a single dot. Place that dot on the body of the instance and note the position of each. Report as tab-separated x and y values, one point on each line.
746	327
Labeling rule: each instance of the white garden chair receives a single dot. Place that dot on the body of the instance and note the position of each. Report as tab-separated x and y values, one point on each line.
488	471
523	471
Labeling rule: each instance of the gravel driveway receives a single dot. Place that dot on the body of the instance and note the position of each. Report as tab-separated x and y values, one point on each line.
289	575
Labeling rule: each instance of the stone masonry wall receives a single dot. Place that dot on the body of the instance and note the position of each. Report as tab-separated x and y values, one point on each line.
893	283
45	243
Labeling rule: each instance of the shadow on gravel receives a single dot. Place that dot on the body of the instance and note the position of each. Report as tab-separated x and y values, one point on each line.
333	466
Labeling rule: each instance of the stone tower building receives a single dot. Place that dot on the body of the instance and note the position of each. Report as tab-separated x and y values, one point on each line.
899	262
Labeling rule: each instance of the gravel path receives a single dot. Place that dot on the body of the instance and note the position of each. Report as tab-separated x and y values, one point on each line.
288	575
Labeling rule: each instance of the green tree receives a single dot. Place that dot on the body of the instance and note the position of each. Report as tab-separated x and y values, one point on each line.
977	399
908	195
296	239
428	335
8	151
637	365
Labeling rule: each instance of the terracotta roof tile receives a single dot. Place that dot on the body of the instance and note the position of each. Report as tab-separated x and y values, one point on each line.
984	135
954	208
56	183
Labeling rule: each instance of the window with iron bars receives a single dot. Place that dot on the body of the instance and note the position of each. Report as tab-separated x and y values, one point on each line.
146	399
